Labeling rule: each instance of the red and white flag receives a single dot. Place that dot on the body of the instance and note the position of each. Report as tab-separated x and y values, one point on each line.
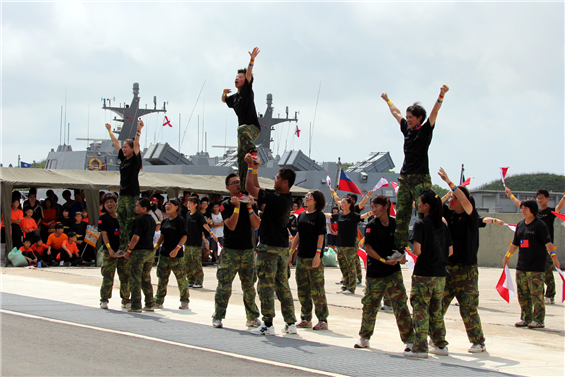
167	122
394	186
392	212
512	226
467	182
299	211
563	280
382	183
505	286
503	172
219	248
329	181
361	253
410	260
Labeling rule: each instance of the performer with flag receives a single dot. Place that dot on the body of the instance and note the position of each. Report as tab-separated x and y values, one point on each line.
546	215
383	275
244	106
532	238
462	279
415	173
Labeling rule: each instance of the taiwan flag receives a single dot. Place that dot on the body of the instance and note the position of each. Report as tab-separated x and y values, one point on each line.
346	184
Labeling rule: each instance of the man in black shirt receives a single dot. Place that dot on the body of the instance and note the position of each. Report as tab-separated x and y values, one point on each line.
415	174
110	232
195	228
130	164
545	215
141	256
273	253
244	106
237	256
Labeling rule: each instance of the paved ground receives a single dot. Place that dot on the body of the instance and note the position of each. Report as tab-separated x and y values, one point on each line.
72	294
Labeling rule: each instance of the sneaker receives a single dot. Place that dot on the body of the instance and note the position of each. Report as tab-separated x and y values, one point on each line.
253	323
439	351
347	292
387	309
67	264
103	304
536	325
61	264
549	301
521	323
419	355
183	306
263	330
477	348
304	324
130	310
149	308
217	323
289	329
126	305
321	325
408	347
362	343
197	286
339	282
158	306
190	285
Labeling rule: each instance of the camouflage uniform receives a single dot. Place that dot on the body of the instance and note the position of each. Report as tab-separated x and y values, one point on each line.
108	270
272	270
126	216
462	281
246	136
140	263
411	187
374	292
346	257
530	294
233	262
193	264
310	285
549	280
426	300
165	265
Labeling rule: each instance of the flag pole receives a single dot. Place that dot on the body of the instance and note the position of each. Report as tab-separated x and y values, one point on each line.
461	180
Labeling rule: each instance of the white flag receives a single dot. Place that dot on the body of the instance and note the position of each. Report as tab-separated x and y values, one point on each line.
329	181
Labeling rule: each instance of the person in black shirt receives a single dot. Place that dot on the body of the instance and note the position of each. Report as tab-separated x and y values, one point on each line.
273	253
173	236
141	256
244	106
415	173
237	256
545	214
109	228
130	164
432	245
205	211
533	239
383	275
309	240
195	228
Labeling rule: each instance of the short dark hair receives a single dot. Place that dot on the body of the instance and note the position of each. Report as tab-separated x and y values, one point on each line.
129	142
287	174
26	208
174	201
205	199
71	234
109	196
78	213
335	207
194	200
230	176
532	205
320	199
417	110
32	191
66	192
353	197
59	226
543	192
244	71
351	203
382	200
27	240
144	203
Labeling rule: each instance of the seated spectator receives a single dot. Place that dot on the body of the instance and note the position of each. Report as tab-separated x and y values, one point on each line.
34	204
29	254
70	254
49	219
79	227
16	217
39	248
66	220
54	245
28	224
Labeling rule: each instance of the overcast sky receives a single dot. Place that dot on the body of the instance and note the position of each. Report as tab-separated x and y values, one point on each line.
503	62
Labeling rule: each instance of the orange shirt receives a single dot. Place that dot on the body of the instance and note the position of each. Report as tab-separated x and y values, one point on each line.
18	214
56	242
72	247
24	249
49	215
28	224
39	249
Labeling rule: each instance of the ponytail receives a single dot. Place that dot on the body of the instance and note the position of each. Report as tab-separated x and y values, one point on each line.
434	201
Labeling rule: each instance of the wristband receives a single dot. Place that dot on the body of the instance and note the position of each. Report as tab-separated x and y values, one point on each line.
251	212
236	210
212	233
318	250
129	250
512	196
108	245
156	246
493	221
223	94
509	254
255	171
440	96
179	246
292	251
111	133
389	102
382	260
452	185
250	170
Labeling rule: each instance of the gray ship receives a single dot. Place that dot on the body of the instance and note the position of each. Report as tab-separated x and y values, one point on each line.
163	158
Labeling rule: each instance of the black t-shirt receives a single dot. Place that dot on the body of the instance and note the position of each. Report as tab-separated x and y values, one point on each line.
464	232
194	228
243	104
144	227
111	226
129	174
346	228
310	226
547	217
67	224
241	237
172	231
273	230
381	239
531	239
416	144
79	229
207	216
292	225
435	248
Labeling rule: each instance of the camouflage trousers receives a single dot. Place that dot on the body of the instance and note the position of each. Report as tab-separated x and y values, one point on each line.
310	285
246	136
374	292
164	267
234	262
529	285
193	264
108	271
426	300
272	272
126	216
549	280
346	258
140	263
462	282
410	189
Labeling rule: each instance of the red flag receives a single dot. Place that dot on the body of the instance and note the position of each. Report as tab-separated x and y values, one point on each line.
346	184
466	182
299	211
297	132
394	186
363	255
505	287
559	215
167	122
392	212
503	172
562	279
